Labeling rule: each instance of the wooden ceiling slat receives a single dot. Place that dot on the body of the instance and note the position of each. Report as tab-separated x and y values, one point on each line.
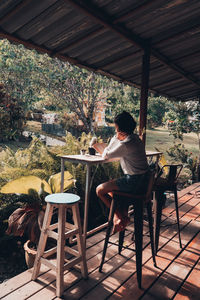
187	96
17	8
175	31
132	38
100	30
167	83
99	17
134	11
178	88
79	41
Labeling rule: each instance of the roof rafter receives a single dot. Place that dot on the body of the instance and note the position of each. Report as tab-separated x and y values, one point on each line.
98	16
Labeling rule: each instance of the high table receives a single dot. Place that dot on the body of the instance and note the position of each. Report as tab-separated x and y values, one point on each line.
89	161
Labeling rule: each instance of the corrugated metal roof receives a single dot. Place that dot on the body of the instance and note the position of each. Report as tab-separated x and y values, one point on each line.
109	37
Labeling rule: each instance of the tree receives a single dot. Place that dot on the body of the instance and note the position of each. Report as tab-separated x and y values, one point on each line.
186	118
12	118
156	110
39	80
79	89
22	73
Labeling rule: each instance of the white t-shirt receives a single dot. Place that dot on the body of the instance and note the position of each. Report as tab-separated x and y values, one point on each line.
131	152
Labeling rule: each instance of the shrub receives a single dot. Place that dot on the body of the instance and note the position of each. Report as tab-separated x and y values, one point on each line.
38	160
12	117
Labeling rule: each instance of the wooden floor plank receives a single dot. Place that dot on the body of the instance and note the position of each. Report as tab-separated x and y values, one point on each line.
168	283
149	271
191	287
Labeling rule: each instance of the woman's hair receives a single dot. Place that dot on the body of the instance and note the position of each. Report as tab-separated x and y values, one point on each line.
125	122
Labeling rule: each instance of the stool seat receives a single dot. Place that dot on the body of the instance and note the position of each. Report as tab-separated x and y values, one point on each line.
62	198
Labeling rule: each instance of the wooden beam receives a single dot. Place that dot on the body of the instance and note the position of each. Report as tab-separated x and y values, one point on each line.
27	44
144	95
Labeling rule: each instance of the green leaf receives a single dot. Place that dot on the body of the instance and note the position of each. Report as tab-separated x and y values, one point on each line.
55	182
25	185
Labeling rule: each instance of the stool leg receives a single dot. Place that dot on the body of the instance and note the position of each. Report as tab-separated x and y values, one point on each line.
80	243
150	219
177	216
110	222
121	240
43	240
157	218
138	221
60	250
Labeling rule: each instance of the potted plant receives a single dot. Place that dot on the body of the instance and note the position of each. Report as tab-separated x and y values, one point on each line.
27	220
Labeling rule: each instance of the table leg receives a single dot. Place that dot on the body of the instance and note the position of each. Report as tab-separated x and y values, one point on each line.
62	175
87	195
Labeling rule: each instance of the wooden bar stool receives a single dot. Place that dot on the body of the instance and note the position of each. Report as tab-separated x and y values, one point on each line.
63	231
161	186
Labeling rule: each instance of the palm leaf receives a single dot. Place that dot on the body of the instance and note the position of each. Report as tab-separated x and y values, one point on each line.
55	182
25	185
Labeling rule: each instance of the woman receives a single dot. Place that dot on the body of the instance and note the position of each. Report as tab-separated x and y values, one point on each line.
129	148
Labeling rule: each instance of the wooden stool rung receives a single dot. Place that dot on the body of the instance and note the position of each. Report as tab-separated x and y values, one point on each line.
72	262
71	251
49	252
52	234
71	232
48	263
69	226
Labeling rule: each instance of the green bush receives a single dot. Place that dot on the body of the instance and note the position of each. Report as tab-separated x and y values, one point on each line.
12	117
41	161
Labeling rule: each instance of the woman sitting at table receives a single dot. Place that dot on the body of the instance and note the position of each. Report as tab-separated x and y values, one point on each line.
129	148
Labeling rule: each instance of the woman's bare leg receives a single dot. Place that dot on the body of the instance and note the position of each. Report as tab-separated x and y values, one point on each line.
104	192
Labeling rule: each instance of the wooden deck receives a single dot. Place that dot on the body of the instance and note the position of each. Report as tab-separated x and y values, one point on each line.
176	277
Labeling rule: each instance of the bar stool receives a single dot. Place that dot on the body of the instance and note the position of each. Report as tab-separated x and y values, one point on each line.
161	186
138	202
64	231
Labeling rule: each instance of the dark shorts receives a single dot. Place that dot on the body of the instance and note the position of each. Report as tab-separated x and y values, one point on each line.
135	184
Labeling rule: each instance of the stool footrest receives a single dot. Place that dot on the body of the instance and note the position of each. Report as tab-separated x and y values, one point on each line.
49	252
71	251
72	262
52	234
47	263
67	226
71	232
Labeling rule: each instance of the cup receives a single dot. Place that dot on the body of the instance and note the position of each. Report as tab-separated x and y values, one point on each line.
82	151
92	151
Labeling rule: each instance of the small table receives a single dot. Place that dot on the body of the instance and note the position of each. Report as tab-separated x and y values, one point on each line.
89	161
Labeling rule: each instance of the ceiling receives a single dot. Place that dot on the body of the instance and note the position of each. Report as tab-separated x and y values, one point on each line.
110	37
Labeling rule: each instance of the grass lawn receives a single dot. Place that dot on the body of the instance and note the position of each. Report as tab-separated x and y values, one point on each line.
160	138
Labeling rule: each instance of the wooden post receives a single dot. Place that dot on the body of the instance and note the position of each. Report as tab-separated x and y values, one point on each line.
144	94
